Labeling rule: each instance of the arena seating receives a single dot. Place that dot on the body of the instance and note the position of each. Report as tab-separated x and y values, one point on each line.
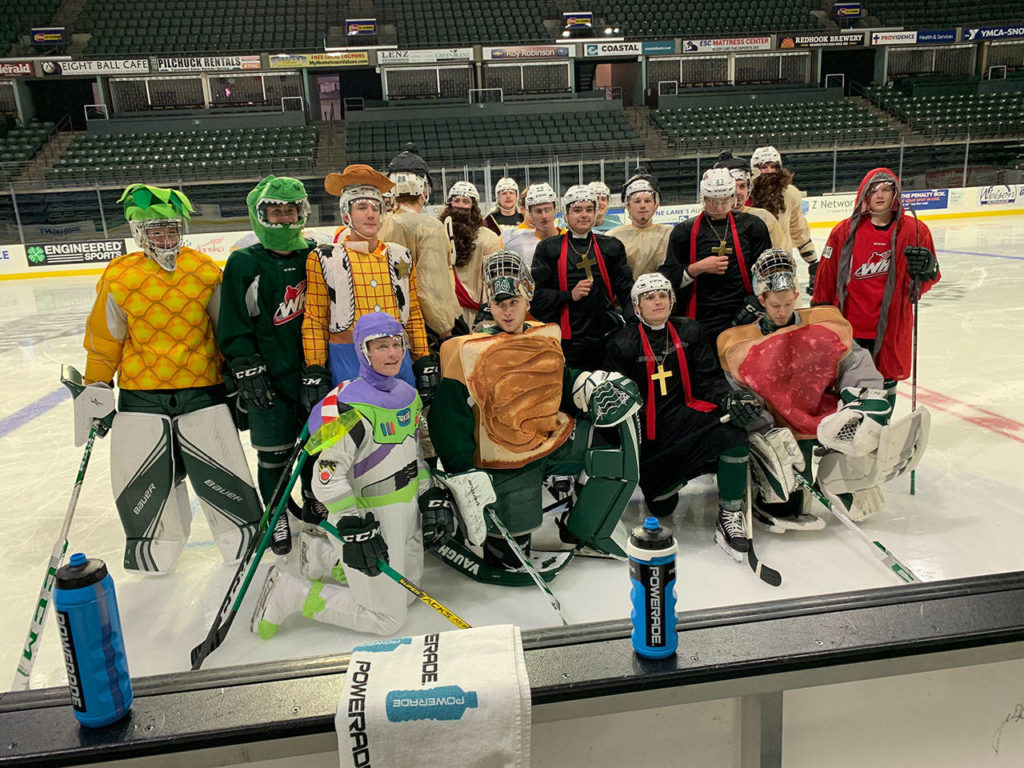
931	14
954	115
493	137
205	154
469	21
689	18
18	145
19	16
804	124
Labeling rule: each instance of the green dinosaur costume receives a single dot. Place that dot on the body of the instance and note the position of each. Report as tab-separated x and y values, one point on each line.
278	190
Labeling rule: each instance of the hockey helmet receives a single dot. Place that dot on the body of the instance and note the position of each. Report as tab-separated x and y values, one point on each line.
463	189
717	183
408	161
507	275
764	155
651	281
737	166
599	188
506	184
641	181
147	209
579	193
538	194
774	270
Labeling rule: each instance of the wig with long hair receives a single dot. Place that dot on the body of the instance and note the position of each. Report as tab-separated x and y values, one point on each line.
768	189
464	227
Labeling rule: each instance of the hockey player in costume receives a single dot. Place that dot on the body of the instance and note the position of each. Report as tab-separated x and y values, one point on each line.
709	256
581	276
506	214
350	279
774	191
260	330
869	266
646	243
740	171
368	472
472	242
540	221
153	325
509	405
426	240
818	388
685	396
603	195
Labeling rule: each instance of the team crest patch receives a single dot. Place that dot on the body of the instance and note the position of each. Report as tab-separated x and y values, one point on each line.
827	253
326	469
404	417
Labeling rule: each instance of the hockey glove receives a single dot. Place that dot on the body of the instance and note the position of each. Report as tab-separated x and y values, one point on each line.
437	508
750	312
362	543
253	382
428	375
609	397
855	428
743	407
314	384
95	403
812	270
921	262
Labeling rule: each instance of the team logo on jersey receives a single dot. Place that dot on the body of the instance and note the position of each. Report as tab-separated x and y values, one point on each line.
404	417
326	469
878	264
292	305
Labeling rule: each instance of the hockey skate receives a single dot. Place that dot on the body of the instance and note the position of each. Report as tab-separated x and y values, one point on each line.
282	595
731	533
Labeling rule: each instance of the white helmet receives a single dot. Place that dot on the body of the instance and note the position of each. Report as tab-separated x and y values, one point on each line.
506	184
506	275
639	183
355	192
599	188
538	194
651	281
579	193
764	155
774	270
463	189
408	183
717	183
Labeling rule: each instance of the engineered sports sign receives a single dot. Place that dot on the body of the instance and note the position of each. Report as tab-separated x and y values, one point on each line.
81	252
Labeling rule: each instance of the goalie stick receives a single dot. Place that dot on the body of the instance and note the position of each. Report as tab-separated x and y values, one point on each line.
69	377
765	573
889	560
915	298
247	566
421	595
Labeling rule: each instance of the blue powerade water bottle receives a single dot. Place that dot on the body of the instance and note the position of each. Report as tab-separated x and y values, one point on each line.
90	633
652	574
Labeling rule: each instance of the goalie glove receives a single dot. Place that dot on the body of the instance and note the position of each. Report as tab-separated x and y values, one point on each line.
471	492
437	512
743	407
855	428
252	382
362	543
94	403
314	384
921	263
609	397
774	457
750	312
427	371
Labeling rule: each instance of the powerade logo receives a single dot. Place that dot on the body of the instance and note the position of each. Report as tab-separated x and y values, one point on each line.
998	194
383	646
428	669
359	678
71	661
447	702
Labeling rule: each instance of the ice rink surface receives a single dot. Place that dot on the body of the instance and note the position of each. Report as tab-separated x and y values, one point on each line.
965	519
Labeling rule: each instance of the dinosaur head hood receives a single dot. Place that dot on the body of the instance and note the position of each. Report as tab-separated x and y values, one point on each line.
278	190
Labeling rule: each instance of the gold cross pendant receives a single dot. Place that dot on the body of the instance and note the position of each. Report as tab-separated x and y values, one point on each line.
660	377
587	262
722	250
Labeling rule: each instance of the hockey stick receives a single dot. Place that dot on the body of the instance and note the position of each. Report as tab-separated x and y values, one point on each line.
530	568
889	560
247	566
419	593
915	297
765	573
35	629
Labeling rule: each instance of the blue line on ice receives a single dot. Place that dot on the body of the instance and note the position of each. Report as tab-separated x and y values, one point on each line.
22	417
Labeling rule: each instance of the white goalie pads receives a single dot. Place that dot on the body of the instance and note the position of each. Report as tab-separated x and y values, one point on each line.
472	491
774	456
900	449
95	401
855	428
608	396
865	503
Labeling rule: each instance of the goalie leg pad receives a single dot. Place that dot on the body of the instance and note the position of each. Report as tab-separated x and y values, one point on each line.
220	477
774	456
900	448
608	480
465	560
859	505
153	508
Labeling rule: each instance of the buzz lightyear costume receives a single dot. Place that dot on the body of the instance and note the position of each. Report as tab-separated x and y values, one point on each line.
368	472
153	325
508	405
